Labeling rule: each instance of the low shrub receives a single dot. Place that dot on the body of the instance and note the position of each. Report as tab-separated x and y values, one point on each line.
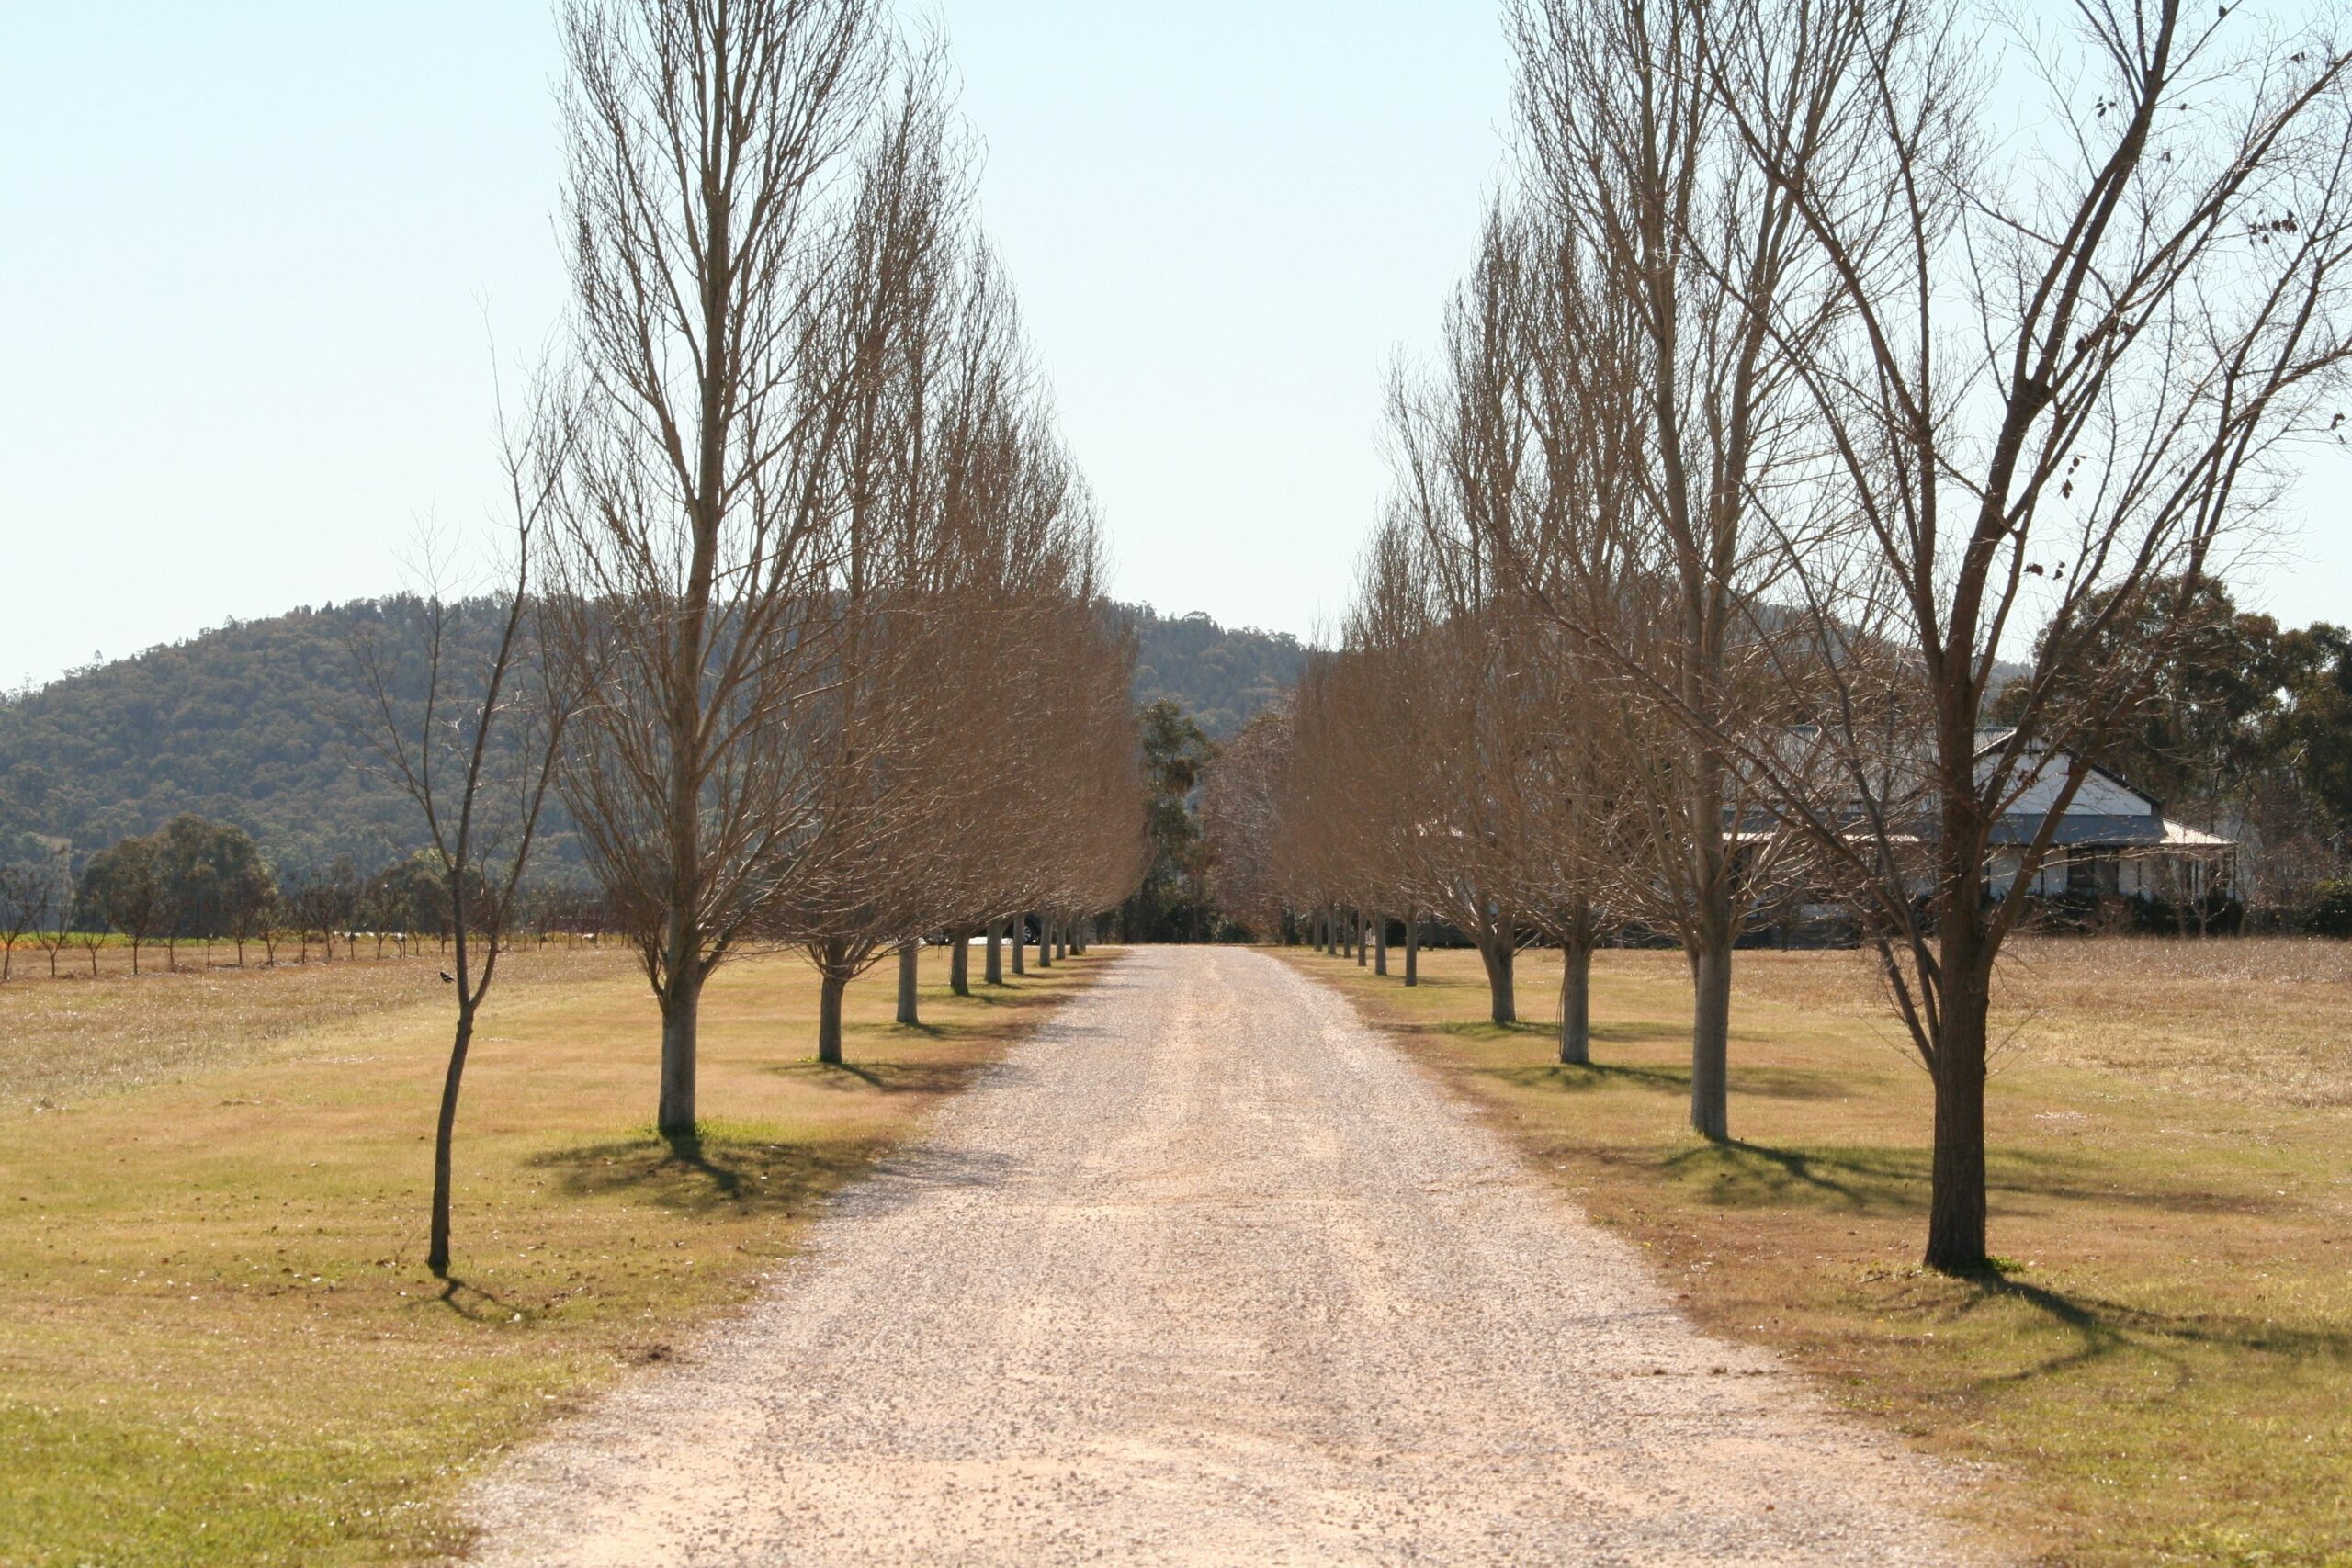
2330	910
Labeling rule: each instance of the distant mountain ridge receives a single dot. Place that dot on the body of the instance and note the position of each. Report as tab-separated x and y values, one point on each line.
249	723
1221	675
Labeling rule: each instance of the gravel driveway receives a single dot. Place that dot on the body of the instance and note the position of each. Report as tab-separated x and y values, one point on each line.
1207	1273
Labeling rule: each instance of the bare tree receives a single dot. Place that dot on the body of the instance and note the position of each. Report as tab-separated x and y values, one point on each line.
1437	598
1572	554
2065	369
476	752
251	910
1241	819
706	256
967	640
1511	513
89	930
1640	168
52	934
879	729
28	900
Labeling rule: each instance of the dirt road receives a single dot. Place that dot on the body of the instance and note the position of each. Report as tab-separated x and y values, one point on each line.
1207	1273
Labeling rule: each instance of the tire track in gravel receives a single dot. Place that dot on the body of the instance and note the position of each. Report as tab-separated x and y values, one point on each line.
1206	1271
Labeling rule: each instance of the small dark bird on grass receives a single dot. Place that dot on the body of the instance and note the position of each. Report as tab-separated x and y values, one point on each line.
448	979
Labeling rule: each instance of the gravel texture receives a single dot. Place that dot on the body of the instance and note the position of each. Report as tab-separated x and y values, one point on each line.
1206	1271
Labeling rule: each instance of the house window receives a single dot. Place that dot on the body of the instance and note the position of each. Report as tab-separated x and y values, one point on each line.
2088	871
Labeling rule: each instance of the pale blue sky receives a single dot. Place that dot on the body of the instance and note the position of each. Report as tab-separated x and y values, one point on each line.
245	247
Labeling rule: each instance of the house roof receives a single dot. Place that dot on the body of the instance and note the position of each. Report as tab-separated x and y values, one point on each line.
1988	740
2084	830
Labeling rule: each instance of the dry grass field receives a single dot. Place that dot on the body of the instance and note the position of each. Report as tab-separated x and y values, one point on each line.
2161	1373
68	1038
220	1343
104	955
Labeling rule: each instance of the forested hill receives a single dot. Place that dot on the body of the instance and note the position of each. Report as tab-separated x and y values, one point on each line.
251	723
1220	675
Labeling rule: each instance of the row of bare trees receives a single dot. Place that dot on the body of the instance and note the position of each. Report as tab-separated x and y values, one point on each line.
804	629
824	570
1824	354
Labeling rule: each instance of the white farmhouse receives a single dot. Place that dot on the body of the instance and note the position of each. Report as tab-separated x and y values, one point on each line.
2112	839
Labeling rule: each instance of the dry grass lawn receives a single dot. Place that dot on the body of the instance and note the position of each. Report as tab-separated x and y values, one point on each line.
65	1040
220	1345
2161	1374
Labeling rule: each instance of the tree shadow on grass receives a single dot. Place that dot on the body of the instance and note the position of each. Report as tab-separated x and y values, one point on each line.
694	1176
2098	1328
1788	1083
1017	994
1864	1180
1488	1029
1878	1180
1638	1033
1561	1078
476	1303
890	1077
1603	1034
1762	1083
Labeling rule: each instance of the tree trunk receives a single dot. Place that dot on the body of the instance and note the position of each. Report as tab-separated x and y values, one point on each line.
1380	945
1956	1182
1498	951
959	961
1362	925
1018	936
1061	936
909	1005
1710	1038
1576	1003
828	1011
992	970
680	1016
1045	942
436	1252
1412	949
